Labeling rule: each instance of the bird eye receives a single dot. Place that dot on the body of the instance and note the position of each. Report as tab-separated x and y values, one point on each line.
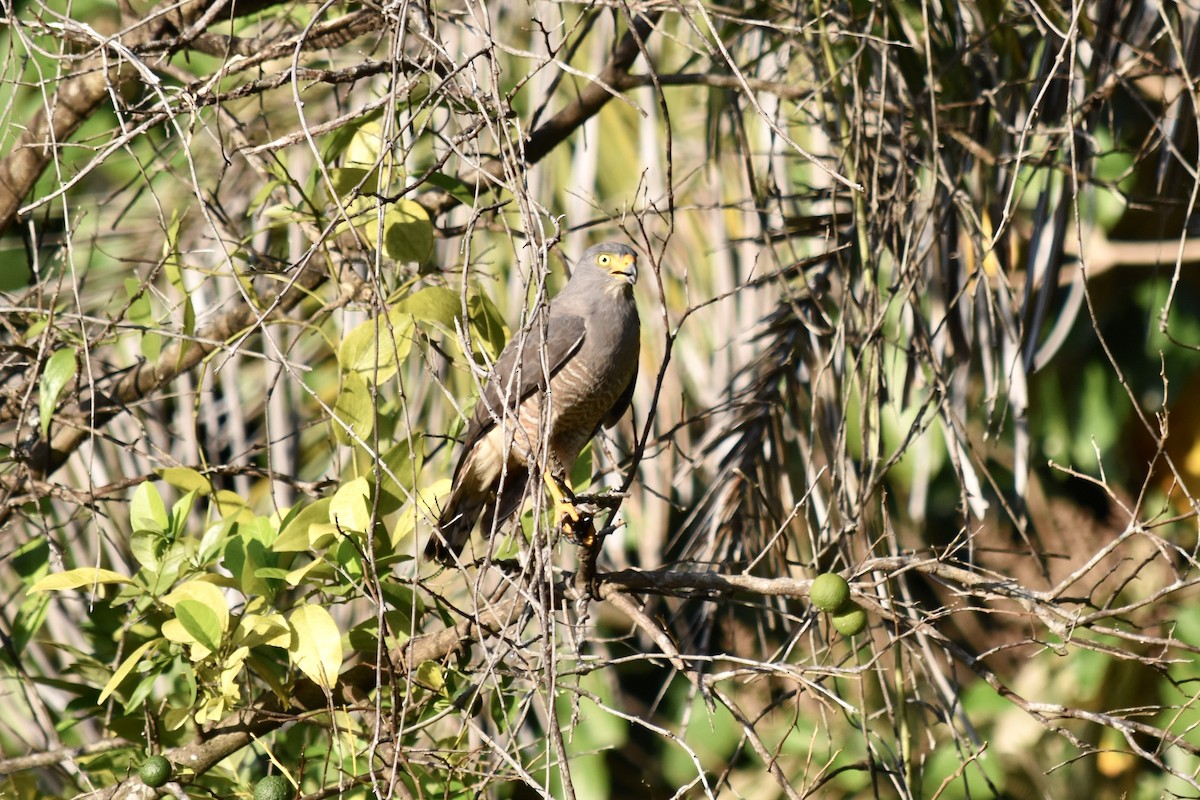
603	259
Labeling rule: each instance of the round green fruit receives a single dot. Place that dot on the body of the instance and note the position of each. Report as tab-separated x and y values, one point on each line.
850	622
155	771
829	592
273	787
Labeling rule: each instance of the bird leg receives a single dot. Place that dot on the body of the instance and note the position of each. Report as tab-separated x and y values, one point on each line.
570	516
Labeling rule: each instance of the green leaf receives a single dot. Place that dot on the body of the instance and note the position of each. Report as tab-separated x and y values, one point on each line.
151	346
347	181
147	512
350	509
179	514
185	479
31	560
139	307
407	233
123	671
399	467
407	606
375	348
201	622
60	370
30	618
458	189
245	556
295	536
338	142
354	410
77	578
147	547
316	644
429	674
233	505
206	594
189	330
487	323
426	504
435	304
366	146
16	273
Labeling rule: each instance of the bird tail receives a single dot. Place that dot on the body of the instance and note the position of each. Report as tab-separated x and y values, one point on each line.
454	527
464	508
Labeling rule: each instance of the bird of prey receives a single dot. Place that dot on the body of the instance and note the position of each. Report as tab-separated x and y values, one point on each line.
547	395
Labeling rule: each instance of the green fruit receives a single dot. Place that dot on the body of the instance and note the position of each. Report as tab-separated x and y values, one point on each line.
155	771
273	787
829	592
851	621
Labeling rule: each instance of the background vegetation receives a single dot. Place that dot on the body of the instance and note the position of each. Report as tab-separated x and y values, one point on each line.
919	306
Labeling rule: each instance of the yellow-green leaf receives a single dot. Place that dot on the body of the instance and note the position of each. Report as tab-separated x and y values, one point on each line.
296	536
76	578
354	411
126	667
316	644
60	369
487	323
269	629
407	233
350	509
147	512
185	479
316	567
366	146
433	304
232	504
430	674
425	502
203	623
206	594
377	346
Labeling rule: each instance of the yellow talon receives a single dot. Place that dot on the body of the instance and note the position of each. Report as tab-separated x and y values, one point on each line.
575	524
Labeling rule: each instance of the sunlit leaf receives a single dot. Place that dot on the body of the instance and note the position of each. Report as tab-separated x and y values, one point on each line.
427	503
269	629
185	479
77	578
350	509
295	536
201	621
407	233
147	511
366	146
316	644
429	674
233	505
435	304
374	348
147	547
205	594
126	667
354	410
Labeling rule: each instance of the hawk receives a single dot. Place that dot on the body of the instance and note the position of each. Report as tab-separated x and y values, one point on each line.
547	395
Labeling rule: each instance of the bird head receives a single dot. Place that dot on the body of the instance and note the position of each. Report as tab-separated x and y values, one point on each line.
615	264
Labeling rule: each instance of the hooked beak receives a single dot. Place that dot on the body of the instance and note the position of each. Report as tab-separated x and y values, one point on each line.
626	267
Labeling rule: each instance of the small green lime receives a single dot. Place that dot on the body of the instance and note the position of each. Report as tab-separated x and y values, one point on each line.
155	771
829	592
273	787
851	621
